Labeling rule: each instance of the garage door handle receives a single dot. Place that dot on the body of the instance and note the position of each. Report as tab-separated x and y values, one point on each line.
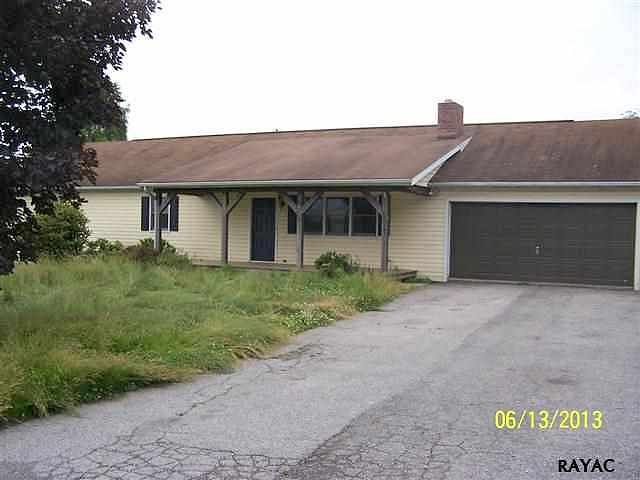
537	250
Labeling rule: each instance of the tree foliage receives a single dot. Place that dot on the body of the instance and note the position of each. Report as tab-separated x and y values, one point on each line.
54	57
108	133
98	133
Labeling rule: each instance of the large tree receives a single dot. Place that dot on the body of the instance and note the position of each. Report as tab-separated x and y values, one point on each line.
117	130
54	59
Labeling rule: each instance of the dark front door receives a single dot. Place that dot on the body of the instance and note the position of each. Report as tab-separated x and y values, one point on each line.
565	243
263	229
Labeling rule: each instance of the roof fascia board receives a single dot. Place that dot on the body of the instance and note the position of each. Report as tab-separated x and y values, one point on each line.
422	178
379	182
86	188
537	184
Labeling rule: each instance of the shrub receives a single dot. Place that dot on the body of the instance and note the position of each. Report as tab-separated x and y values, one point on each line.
63	233
166	246
332	264
145	253
141	253
102	246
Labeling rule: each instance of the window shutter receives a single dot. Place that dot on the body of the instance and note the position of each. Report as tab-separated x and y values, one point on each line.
152	213
144	214
174	213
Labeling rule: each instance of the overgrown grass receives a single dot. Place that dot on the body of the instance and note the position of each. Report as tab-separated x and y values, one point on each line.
420	280
88	328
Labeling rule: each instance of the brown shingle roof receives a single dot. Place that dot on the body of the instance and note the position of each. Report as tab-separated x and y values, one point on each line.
592	151
368	153
607	150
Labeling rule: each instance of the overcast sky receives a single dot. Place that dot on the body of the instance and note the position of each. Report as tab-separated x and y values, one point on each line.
242	66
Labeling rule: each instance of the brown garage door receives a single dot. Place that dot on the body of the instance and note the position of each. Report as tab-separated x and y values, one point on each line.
566	243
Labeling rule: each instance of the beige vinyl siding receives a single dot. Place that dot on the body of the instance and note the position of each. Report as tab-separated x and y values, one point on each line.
415	242
419	225
240	229
417	234
115	215
366	250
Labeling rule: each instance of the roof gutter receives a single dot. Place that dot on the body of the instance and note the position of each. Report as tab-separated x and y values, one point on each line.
536	184
379	182
88	188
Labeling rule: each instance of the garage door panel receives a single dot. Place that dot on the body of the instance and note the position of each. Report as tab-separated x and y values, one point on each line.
568	243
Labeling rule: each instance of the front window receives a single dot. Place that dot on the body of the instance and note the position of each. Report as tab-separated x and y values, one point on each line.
168	219
312	218
164	216
337	217
365	217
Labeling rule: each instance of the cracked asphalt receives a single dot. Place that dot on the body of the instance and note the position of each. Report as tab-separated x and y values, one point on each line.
406	392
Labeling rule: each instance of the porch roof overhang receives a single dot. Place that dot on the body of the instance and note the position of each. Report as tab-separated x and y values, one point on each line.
540	184
285	185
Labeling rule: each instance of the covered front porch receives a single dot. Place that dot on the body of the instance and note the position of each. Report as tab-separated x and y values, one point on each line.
275	225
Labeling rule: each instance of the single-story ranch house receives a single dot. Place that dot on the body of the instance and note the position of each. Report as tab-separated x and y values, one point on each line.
534	201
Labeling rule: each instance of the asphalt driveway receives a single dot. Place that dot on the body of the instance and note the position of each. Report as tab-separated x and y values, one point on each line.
407	392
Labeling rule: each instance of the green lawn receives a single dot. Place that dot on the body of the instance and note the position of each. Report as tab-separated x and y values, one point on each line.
88	328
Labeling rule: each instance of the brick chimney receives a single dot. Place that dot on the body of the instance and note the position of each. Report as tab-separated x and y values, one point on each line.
450	119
